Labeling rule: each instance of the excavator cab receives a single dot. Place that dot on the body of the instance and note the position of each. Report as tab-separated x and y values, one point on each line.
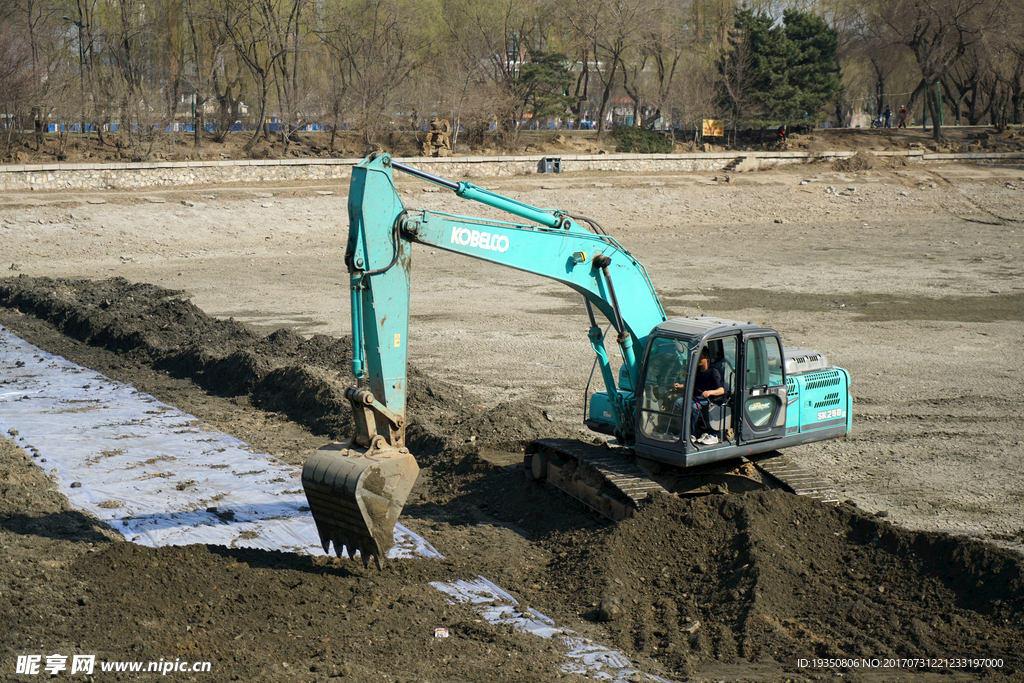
753	408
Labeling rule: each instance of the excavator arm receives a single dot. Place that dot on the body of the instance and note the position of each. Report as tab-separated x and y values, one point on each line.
356	490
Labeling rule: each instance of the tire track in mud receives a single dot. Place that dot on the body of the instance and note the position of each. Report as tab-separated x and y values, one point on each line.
975	206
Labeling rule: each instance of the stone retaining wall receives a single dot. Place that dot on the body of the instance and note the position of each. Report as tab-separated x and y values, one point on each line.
124	176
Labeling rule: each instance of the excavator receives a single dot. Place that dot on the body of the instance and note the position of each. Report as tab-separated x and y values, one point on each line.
775	397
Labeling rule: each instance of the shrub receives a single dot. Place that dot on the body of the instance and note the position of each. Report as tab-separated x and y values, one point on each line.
641	140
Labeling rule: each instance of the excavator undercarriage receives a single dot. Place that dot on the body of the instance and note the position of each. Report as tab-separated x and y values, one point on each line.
615	483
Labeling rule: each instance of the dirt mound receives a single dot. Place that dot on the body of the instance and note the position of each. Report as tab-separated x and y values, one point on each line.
281	372
861	161
768	575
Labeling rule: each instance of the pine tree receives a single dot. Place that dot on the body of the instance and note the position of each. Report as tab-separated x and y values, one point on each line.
788	71
815	72
543	85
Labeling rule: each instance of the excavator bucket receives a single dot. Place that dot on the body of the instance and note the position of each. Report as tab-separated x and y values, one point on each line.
356	496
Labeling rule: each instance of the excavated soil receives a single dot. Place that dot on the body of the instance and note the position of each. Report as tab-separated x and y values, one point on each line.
764	578
909	280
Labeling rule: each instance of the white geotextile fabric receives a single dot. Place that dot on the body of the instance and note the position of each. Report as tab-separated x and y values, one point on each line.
150	470
586	657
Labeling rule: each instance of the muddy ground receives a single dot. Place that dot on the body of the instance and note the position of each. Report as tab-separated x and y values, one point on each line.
230	303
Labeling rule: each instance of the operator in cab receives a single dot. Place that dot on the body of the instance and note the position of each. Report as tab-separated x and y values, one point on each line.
706	384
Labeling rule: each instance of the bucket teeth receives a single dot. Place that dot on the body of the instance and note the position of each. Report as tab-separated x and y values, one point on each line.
346	544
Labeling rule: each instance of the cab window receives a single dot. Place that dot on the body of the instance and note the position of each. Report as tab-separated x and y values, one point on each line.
764	362
661	405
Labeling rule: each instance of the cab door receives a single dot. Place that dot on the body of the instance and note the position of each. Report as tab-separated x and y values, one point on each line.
763	395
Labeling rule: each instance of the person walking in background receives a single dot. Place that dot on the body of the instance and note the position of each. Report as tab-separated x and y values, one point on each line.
888	117
901	117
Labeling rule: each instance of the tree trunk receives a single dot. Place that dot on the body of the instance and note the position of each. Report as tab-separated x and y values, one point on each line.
956	98
933	107
1017	103
912	102
37	126
197	121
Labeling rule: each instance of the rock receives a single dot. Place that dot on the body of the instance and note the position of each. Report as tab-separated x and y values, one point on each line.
76	484
610	609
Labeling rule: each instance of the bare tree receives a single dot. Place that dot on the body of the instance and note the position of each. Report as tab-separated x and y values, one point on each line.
461	88
868	54
939	33
215	74
243	24
736	79
694	98
610	29
1005	79
18	82
376	45
490	40
650	68
964	84
43	39
141	98
1016	103
710	22
285	31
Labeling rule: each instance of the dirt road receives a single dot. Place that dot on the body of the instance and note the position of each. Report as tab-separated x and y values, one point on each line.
909	277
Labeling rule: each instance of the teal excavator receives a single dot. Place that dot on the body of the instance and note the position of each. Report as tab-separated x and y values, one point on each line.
775	397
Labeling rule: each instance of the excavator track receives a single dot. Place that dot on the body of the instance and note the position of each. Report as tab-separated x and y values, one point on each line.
610	482
796	479
602	479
